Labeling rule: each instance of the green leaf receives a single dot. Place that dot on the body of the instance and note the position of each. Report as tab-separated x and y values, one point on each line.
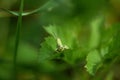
69	37
96	51
114	45
72	56
95	32
93	62
47	50
66	33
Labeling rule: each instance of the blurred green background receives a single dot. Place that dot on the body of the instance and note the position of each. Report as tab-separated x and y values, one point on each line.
72	13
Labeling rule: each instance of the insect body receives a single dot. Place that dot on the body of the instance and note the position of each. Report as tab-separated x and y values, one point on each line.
60	46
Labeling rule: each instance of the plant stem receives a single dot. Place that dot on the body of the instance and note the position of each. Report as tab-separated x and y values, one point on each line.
19	25
45	7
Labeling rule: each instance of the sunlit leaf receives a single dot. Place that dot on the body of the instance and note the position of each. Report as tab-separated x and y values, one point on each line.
93	62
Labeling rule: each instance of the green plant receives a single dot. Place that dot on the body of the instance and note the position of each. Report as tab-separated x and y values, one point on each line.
18	29
94	54
72	47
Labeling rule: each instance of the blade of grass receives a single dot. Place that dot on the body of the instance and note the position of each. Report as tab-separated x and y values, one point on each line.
19	25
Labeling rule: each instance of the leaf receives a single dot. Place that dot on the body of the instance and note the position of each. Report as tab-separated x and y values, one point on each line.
94	57
95	32
66	33
52	30
69	37
93	62
72	56
47	49
114	45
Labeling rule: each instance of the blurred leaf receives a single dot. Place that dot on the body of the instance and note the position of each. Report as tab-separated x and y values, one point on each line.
94	57
95	32
47	50
114	45
73	56
93	61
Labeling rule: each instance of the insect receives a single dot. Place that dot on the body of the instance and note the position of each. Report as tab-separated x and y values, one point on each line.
60	47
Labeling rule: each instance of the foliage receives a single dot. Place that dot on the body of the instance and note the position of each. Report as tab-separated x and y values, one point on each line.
60	40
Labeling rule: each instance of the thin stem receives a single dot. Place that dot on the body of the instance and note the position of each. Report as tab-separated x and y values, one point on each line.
45	7
19	25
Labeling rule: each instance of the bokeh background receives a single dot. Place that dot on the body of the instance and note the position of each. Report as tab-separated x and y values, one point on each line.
71	12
